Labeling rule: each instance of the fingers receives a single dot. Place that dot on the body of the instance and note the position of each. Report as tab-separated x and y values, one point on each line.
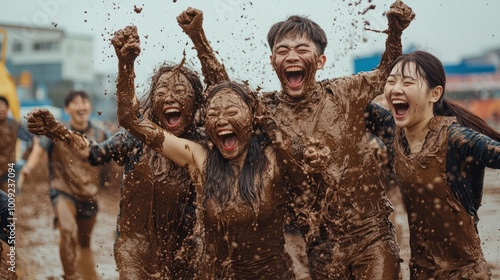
38	113
193	12
126	41
190	17
186	16
39	120
36	126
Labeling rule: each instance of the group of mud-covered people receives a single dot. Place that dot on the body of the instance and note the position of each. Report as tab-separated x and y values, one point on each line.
214	172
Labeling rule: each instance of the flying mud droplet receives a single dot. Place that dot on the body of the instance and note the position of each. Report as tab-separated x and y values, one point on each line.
137	9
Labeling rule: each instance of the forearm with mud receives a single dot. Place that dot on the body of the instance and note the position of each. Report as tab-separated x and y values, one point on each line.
74	140
128	108
213	71
393	49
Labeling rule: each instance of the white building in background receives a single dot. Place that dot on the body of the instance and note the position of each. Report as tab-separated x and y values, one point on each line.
48	62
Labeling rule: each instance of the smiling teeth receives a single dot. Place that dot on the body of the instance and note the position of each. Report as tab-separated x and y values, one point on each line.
173	110
398	101
224	132
293	69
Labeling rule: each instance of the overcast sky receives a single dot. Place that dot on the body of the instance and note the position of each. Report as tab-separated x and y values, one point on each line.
450	29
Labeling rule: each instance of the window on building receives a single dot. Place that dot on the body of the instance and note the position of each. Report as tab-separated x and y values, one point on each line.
17	47
46	46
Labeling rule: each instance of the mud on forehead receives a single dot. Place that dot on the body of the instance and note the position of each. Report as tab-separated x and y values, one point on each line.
292	35
172	78
228	98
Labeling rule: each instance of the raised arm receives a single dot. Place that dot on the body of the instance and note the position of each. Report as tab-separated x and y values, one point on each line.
42	122
399	18
183	152
122	147
191	22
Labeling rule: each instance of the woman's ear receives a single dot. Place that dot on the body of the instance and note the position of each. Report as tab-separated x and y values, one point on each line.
436	94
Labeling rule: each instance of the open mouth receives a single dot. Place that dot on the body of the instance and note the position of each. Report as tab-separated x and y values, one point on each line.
400	107
294	76
228	139
173	117
81	113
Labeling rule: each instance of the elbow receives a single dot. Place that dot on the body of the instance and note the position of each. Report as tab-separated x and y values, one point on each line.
127	115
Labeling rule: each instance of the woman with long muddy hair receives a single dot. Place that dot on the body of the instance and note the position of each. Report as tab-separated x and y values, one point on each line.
155	238
241	201
440	152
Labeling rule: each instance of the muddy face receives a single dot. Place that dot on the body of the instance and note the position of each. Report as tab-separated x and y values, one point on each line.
79	111
295	60
229	123
173	102
4	109
408	96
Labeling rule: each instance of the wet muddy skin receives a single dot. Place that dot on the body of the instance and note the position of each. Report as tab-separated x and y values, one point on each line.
312	145
232	246
37	247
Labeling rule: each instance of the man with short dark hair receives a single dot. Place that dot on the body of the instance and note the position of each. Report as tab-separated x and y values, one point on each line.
74	184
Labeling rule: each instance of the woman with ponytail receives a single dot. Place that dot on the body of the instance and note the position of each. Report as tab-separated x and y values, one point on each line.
439	153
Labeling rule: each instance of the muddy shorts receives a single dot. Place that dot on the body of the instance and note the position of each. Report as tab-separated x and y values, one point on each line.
84	209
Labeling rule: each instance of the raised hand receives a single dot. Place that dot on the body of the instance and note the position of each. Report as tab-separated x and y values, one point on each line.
399	15
127	44
42	122
190	20
317	155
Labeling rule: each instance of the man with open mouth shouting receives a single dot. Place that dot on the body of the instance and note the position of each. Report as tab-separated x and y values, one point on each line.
74	183
319	130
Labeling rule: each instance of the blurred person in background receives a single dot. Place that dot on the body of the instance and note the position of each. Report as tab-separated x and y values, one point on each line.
10	131
73	184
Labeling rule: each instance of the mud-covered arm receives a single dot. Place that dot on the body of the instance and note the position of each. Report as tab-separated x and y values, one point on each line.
127	47
475	147
33	159
191	22
42	122
380	122
399	18
183	152
122	147
469	152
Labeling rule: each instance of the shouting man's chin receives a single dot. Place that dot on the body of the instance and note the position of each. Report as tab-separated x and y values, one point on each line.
295	93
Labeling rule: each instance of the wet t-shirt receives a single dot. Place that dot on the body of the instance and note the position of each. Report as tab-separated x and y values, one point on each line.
246	243
69	173
332	115
441	187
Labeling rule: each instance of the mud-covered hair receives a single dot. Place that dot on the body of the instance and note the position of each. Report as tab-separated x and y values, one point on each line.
297	26
432	71
219	174
194	80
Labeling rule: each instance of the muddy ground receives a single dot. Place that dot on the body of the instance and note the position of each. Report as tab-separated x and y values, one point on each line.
37	255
